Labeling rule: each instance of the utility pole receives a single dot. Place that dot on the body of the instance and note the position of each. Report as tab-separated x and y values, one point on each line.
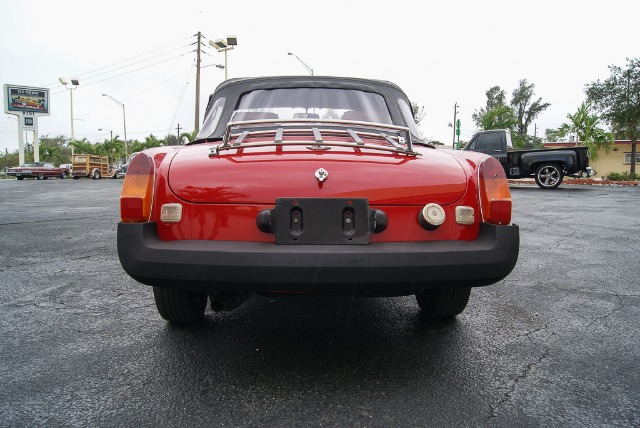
455	114
197	118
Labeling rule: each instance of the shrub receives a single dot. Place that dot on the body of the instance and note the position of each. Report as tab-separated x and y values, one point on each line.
622	176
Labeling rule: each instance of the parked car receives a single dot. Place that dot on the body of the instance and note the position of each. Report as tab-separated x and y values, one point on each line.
92	166
123	169
547	166
38	170
309	185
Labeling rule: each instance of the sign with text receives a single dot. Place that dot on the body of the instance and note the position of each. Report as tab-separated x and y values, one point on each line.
26	100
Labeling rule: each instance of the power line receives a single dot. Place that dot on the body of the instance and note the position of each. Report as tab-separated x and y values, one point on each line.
133	63
124	74
125	60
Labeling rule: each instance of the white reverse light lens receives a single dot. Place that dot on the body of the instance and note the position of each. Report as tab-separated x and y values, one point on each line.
171	213
465	215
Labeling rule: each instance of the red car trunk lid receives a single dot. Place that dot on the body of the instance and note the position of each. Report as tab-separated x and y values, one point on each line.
260	175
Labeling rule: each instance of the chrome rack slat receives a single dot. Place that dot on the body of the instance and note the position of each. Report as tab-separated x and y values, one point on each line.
317	135
355	137
390	140
278	139
240	138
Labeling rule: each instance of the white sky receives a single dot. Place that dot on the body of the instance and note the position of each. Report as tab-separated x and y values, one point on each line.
439	52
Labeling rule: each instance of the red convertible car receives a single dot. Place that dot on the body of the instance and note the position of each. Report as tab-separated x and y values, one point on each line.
313	185
39	170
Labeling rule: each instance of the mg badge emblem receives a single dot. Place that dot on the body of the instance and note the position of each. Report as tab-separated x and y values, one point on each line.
321	174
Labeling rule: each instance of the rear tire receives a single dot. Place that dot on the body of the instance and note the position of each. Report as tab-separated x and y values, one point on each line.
20	178
63	175
549	176
96	175
40	177
177	305
444	303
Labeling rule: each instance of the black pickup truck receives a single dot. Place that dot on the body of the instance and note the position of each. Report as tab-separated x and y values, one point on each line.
547	166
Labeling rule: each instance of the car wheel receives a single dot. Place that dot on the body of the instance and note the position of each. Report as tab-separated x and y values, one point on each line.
96	175
76	178
177	305
20	178
63	175
40	177
443	303
549	176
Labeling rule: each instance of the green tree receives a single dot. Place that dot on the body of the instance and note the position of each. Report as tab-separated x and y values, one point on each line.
552	134
51	154
9	159
586	126
418	112
189	135
54	149
112	148
495	99
82	146
172	140
618	100
499	117
524	109
152	141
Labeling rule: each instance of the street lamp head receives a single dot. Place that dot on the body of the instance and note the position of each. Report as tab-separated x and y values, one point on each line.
220	66
63	80
220	44
232	40
290	53
75	82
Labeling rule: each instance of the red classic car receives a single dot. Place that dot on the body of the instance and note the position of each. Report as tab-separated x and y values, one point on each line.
313	185
39	170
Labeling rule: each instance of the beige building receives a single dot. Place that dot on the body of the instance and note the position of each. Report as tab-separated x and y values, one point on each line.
617	160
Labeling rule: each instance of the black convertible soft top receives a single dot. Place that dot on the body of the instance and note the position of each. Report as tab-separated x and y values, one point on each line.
233	89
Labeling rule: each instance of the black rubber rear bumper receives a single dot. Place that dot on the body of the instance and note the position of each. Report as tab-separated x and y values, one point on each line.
398	267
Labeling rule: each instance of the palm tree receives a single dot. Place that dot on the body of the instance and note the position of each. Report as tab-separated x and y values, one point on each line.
51	154
587	128
82	146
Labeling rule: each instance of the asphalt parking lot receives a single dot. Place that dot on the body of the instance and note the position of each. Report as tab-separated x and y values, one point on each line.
555	344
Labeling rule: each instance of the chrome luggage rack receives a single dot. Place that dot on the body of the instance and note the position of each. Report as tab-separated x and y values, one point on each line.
280	127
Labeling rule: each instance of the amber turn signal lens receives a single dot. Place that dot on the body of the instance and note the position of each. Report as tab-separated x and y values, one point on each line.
495	196
137	190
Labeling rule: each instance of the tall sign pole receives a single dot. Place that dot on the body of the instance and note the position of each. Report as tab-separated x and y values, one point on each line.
27	103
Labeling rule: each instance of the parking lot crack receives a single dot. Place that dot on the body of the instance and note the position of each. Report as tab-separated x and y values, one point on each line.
609	314
560	241
524	373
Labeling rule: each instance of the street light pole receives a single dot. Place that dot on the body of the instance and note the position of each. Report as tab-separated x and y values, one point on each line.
74	85
124	120
102	129
309	69
224	45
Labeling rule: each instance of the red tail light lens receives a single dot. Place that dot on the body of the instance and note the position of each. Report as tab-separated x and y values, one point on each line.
495	197
137	190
